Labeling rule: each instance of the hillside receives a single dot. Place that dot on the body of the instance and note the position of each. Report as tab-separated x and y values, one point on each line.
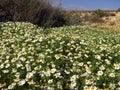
111	21
64	58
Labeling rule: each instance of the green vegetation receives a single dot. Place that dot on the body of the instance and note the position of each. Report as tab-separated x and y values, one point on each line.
97	15
118	9
65	58
74	18
100	13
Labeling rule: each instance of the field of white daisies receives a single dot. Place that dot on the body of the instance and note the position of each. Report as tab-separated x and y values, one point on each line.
65	58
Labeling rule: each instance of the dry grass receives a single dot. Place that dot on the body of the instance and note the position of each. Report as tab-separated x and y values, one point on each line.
111	22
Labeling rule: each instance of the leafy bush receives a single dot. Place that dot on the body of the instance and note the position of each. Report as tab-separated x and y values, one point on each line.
39	12
118	9
75	19
100	13
69	58
112	14
93	18
96	19
59	18
96	16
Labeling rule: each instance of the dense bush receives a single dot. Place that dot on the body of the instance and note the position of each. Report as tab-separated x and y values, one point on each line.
96	19
75	20
118	9
93	18
112	14
39	12
96	16
100	13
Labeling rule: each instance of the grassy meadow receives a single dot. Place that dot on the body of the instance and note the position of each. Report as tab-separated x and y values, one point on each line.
64	58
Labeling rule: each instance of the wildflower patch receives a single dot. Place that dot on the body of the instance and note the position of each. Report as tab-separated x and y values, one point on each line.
65	58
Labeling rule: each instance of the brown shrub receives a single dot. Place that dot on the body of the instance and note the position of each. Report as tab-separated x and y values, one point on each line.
39	12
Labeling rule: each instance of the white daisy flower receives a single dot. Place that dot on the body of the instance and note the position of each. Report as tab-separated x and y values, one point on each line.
117	66
57	75
53	70
21	82
112	75
50	81
11	86
28	67
100	73
29	75
72	84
